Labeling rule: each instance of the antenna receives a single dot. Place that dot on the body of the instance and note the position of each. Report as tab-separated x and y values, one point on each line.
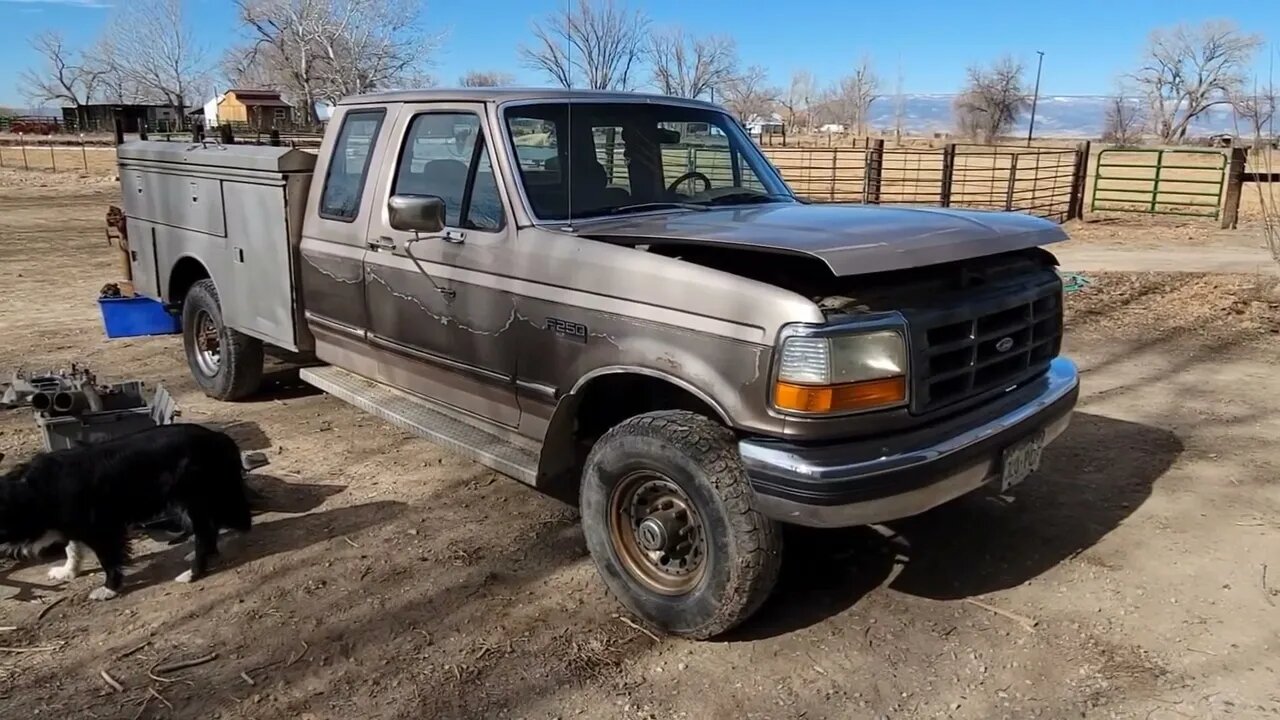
568	113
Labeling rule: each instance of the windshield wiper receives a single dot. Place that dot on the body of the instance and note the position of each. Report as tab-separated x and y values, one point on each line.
746	197
640	207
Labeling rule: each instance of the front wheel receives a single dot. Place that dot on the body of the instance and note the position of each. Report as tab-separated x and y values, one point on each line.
667	514
226	364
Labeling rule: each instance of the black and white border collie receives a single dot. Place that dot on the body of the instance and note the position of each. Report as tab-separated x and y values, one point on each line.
89	496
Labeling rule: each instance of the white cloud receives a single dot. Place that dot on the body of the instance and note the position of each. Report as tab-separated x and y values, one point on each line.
88	4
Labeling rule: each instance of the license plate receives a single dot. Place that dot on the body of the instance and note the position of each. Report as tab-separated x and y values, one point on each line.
1021	460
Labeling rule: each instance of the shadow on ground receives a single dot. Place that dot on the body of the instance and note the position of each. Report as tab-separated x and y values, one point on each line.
1092	478
283	384
247	434
267	539
271	494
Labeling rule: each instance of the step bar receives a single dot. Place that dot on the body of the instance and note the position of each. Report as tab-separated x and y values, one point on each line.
442	425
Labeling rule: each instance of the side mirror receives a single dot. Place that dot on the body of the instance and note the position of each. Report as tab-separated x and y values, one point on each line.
416	213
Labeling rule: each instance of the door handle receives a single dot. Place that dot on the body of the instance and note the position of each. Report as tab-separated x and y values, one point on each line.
382	243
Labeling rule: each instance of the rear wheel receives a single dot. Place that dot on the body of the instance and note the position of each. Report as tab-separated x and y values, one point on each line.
666	510
226	364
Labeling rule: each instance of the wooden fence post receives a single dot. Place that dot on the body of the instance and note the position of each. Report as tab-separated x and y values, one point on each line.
1235	187
1075	204
117	119
225	135
834	159
948	173
1013	182
274	141
873	171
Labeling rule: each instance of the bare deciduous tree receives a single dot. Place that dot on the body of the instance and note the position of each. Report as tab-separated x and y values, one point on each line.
371	45
855	95
114	85
1189	70
1122	124
993	99
799	100
282	54
317	50
687	66
148	45
899	104
595	45
749	94
1256	109
485	78
66	76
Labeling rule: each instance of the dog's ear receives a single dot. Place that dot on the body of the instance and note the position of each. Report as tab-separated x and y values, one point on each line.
1	457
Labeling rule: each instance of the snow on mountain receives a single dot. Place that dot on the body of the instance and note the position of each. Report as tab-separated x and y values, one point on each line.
1067	116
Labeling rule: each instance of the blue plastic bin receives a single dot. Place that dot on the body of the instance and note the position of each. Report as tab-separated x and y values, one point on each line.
137	317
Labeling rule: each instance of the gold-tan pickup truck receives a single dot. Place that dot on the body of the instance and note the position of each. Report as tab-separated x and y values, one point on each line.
615	298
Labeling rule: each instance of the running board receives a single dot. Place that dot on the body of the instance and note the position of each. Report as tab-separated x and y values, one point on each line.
441	425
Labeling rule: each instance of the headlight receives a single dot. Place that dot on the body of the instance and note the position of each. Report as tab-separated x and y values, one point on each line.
842	374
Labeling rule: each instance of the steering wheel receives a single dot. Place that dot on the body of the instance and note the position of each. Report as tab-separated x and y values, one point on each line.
691	175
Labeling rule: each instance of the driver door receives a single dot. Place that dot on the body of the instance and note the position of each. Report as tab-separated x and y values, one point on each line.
436	306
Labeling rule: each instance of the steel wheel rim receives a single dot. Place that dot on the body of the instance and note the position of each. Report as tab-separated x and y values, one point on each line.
208	342
657	533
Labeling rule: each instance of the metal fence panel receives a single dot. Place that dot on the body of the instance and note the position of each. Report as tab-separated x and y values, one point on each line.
1160	182
1039	181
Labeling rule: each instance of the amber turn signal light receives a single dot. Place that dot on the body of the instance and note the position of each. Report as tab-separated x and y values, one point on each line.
863	395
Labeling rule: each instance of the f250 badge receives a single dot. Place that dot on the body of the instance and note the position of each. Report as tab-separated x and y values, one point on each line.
567	329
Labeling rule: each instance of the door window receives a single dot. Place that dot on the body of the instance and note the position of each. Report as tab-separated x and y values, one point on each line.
349	165
444	155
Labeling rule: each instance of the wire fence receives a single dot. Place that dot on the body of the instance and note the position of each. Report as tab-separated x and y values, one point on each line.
44	154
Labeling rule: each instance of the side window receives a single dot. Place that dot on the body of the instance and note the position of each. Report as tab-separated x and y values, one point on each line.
442	153
349	166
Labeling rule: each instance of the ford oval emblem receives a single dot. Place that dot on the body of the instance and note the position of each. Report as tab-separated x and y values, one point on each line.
1004	344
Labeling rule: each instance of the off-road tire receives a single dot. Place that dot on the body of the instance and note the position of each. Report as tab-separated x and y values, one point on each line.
744	548
240	365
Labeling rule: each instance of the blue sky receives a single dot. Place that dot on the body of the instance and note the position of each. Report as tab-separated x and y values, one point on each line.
932	39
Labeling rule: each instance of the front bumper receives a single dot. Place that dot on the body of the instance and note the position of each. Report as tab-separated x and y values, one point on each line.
857	483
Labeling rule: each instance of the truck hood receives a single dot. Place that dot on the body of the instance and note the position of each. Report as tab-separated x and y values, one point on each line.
850	239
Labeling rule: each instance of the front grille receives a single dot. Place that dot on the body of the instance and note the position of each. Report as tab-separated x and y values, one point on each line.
985	343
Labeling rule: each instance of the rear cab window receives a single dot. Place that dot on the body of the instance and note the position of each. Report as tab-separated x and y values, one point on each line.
349	164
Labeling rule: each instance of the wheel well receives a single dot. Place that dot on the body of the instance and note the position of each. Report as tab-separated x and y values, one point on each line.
599	405
187	272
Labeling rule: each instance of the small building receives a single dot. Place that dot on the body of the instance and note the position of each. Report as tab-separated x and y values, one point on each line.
100	117
259	109
759	126
209	113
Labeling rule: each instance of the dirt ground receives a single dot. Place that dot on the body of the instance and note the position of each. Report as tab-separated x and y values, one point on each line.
386	578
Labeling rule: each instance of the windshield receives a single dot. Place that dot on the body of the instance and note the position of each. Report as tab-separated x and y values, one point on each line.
631	157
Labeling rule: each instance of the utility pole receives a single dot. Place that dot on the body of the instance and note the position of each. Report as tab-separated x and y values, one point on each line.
1035	97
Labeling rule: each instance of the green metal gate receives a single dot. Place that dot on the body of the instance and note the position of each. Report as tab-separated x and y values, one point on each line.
1161	182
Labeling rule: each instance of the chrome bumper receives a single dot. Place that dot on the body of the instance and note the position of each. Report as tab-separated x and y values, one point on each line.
884	479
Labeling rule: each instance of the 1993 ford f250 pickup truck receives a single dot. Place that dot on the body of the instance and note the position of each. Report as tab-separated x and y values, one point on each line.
615	297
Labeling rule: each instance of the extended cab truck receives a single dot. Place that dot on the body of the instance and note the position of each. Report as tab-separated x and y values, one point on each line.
563	287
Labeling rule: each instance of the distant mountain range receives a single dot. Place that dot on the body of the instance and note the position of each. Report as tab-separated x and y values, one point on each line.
1069	116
